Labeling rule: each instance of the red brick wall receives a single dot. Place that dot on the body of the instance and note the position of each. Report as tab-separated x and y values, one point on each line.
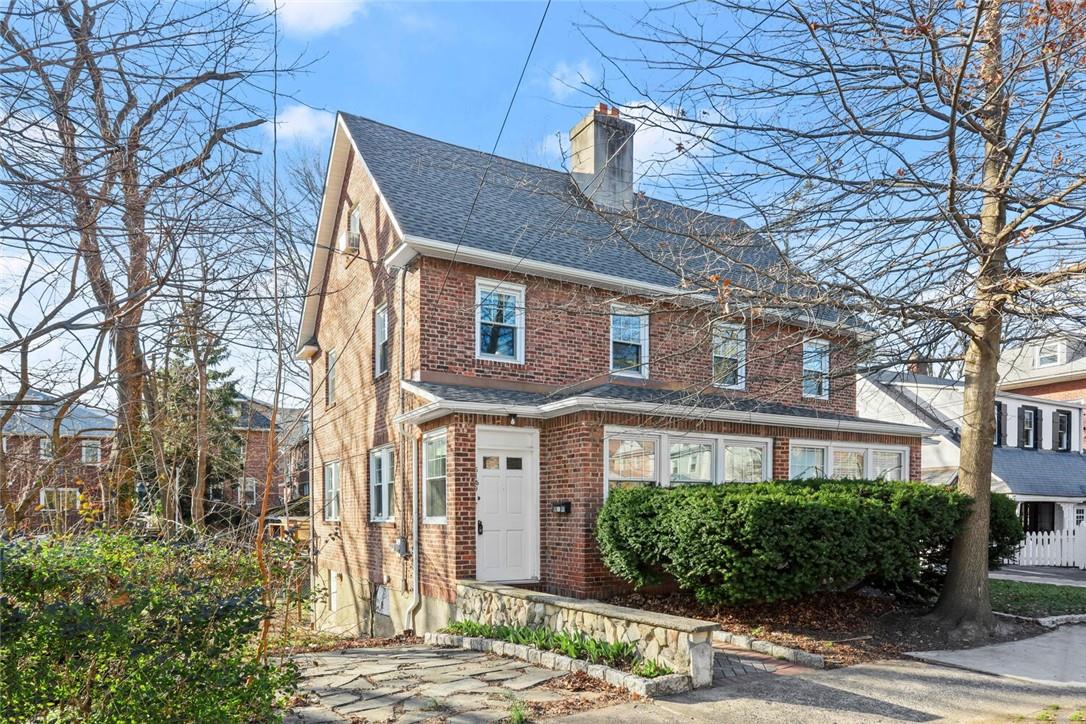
25	469
567	341
571	468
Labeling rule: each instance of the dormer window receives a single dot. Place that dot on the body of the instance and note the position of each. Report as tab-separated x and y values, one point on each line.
1049	354
1063	430
1028	425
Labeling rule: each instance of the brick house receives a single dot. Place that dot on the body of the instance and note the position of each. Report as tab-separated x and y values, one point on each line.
488	360
52	478
252	427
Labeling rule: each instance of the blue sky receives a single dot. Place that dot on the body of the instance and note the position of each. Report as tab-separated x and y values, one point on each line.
447	70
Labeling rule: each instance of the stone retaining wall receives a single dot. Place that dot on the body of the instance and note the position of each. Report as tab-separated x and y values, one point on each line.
683	643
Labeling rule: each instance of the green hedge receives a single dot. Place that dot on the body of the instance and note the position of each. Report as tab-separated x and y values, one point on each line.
109	628
769	541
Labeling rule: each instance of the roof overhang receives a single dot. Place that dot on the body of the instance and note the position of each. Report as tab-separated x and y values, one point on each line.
413	246
436	407
324	245
1066	376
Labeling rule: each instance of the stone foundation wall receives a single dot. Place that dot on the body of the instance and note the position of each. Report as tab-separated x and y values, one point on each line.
682	643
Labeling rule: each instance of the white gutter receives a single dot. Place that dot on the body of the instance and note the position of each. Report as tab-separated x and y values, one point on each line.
437	407
415	245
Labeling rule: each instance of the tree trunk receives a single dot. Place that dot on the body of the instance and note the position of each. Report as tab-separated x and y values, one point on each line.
199	489
964	602
129	367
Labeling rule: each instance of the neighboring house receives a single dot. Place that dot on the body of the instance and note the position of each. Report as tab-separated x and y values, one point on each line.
252	426
1037	455
488	361
51	477
1054	368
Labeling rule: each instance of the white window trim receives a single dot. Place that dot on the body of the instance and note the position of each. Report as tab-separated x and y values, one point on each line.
1070	417
387	452
43	443
1059	355
741	384
93	444
485	287
333	591
244	484
663	440
829	448
41	497
426	517
380	311
334	464
817	342
352	213
627	310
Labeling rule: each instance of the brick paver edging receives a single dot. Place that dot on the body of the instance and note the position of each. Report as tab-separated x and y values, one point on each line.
660	686
796	656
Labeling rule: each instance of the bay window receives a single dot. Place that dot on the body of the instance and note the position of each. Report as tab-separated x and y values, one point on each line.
637	457
815	459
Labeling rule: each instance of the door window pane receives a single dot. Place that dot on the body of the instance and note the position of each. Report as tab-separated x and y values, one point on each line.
691	462
743	464
514	463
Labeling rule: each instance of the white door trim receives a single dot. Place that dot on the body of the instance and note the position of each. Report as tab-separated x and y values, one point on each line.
515	439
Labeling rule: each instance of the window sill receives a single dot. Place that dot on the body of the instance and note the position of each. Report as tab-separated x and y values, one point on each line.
630	375
740	387
816	397
382	521
504	360
435	521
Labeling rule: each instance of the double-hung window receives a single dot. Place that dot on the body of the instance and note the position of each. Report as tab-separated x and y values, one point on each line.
1062	438
91	452
1048	354
354	230
45	448
331	491
729	355
888	464
499	321
434	477
816	368
330	377
382	475
637	458
808	462
1028	419
629	341
380	340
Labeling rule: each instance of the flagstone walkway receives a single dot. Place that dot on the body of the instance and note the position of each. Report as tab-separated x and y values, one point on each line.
421	683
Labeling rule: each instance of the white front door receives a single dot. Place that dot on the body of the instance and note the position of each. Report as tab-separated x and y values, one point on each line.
507	505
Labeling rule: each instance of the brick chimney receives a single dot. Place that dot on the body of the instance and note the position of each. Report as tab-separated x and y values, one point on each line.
602	147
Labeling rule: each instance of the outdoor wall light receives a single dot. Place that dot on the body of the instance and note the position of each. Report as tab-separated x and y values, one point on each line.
512	419
562	506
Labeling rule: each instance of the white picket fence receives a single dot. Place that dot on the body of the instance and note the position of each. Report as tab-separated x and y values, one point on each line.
1053	548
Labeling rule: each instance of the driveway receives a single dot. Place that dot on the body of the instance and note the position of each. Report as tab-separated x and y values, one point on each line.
1042	574
908	691
421	683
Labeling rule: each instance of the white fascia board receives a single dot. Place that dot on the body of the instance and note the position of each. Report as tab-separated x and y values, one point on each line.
1047	498
413	245
323	244
438	408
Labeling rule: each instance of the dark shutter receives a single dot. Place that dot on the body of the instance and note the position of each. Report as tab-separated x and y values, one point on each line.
1038	426
1003	413
1022	412
1056	429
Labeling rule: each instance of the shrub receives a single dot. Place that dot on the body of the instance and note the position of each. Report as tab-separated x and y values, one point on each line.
1006	532
111	628
770	541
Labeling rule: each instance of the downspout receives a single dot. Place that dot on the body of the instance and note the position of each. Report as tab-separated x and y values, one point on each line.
416	595
313	548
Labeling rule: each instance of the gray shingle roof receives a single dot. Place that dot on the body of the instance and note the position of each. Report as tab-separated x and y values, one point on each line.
1041	472
702	400
36	419
535	212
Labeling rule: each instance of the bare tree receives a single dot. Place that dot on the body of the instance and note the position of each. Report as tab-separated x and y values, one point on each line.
921	166
128	123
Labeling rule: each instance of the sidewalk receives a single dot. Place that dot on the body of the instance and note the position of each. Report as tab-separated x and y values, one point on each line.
1042	574
1057	657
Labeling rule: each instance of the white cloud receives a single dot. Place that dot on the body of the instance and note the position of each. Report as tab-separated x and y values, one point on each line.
566	79
312	17
302	123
